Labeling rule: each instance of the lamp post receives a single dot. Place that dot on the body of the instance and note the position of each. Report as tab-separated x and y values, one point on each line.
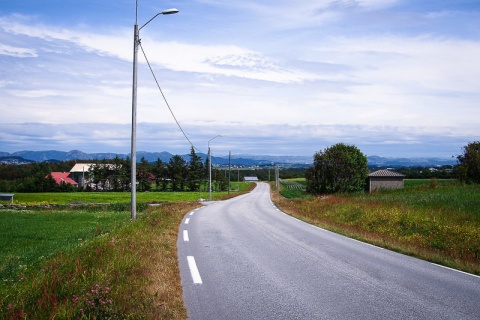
136	42
210	166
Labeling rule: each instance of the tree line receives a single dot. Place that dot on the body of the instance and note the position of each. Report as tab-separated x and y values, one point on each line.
114	175
175	175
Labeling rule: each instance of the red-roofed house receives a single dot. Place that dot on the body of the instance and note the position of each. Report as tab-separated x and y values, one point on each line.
63	177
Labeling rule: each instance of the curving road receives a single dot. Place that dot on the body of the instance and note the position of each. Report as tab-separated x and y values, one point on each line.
245	259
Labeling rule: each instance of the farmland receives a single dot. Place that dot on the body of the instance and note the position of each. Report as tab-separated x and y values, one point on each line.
60	262
434	220
117	197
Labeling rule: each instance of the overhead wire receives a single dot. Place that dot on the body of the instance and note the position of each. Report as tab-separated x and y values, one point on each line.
165	99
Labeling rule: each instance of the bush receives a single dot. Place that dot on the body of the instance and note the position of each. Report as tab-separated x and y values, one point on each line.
468	169
340	168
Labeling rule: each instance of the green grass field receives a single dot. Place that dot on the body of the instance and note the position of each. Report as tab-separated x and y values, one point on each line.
121	197
29	237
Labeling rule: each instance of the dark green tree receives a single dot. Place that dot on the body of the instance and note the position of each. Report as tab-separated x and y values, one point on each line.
96	175
468	169
159	171
120	177
144	174
177	169
339	168
195	171
220	180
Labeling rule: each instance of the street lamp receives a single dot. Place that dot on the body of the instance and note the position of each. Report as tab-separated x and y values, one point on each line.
136	43
210	166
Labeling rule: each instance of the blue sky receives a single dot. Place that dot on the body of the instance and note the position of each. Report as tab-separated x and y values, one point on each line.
393	77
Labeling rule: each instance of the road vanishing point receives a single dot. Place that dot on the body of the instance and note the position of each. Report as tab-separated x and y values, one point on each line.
245	259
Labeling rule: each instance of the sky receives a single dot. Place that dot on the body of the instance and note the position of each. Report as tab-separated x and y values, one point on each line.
396	78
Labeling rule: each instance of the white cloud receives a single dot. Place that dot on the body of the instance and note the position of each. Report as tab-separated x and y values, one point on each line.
35	93
17	52
227	60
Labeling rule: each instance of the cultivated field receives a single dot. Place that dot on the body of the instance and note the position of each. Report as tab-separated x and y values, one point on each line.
117	197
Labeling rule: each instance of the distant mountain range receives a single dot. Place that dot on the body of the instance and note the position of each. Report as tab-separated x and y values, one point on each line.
22	157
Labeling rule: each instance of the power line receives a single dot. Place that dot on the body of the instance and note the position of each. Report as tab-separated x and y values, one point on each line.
165	99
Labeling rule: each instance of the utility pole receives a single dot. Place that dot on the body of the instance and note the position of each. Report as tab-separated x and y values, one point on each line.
229	159
277	182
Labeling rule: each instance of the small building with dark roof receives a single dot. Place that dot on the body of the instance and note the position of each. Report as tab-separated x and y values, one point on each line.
385	179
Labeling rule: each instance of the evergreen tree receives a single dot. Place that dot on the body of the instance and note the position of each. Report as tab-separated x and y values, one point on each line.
195	171
159	170
144	174
177	169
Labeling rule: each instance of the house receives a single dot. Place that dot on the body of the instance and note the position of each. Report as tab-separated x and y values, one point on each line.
63	177
250	179
81	174
385	179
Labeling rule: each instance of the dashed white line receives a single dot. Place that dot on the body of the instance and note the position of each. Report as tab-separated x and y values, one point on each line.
191	213
187	220
194	270
185	236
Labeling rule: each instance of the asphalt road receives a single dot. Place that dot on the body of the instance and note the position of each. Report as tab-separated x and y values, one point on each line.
245	259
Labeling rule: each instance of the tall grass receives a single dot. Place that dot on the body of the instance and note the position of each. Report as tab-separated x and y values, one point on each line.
463	199
440	224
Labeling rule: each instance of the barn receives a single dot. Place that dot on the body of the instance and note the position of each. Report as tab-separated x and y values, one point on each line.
385	179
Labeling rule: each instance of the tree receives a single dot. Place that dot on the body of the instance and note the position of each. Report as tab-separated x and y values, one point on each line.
120	178
468	169
195	171
339	168
159	171
177	169
144	174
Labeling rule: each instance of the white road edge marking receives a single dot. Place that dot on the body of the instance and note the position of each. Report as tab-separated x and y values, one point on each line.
191	213
185	236
194	270
187	220
460	271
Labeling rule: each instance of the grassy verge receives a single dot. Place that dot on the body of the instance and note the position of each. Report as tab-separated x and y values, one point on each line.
431	222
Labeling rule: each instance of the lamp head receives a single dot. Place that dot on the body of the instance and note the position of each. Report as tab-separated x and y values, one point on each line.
170	11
